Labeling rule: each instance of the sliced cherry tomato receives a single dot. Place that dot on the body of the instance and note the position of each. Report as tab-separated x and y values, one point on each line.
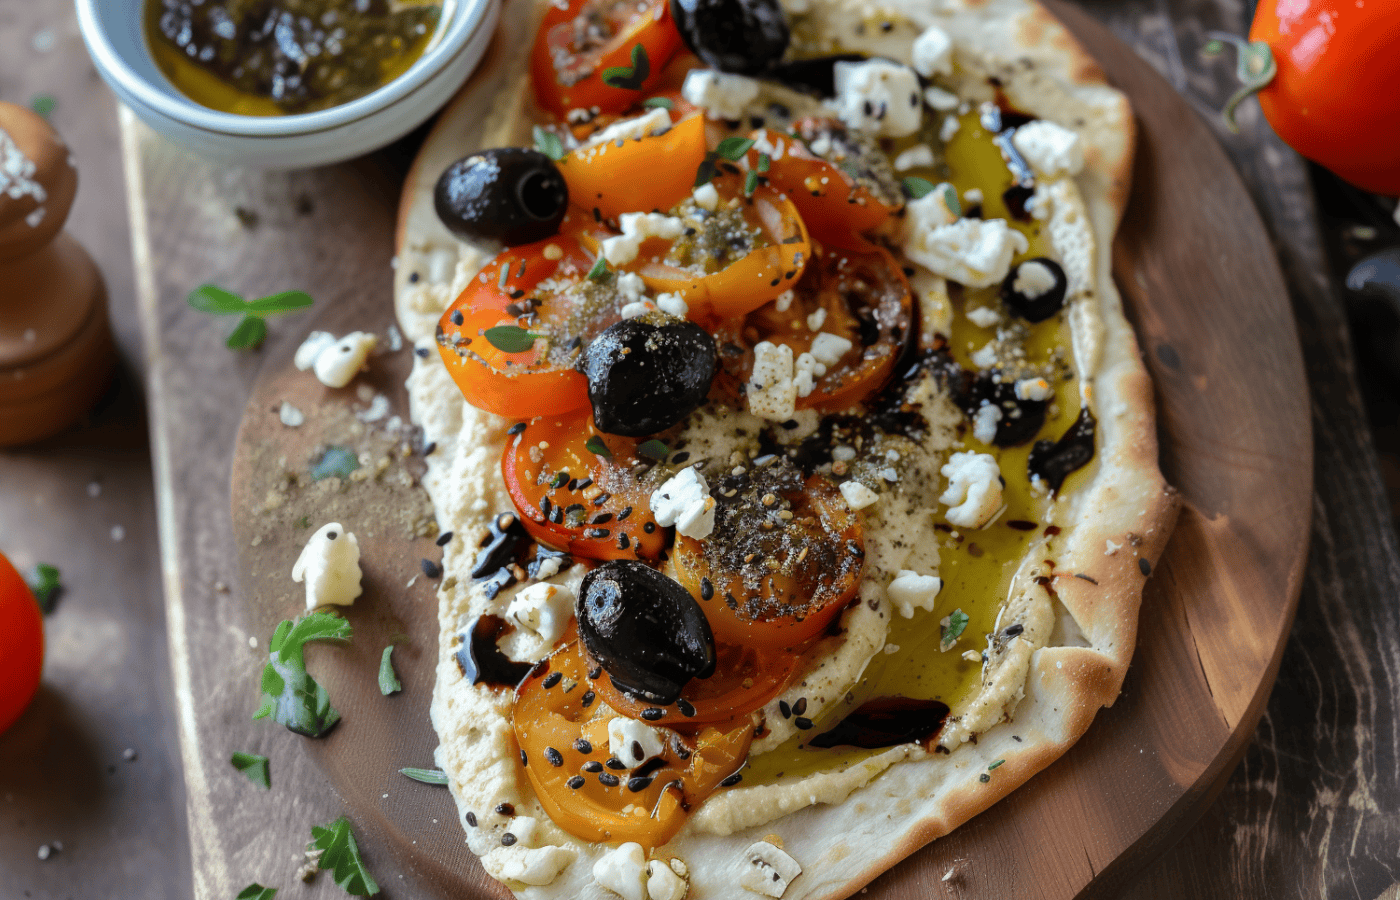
836	199
863	298
21	645
785	557
531	290
563	735
730	261
745	678
604	177
578	40
570	497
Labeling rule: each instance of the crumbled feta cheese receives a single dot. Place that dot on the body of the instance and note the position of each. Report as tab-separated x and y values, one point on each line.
772	392
805	372
843	453
543	608
311	348
925	215
548	568
932	53
656	121
986	356
972	252
910	591
290	415
828	348
916	157
816	319
334	362
1033	279
972	196
630	286
769	870
722	95
637	228
949	129
974	489
685	501
984	422
1111	547
706	196
329	564
784	300
636	308
857	495
623	870
1049	148
673	305
1033	389
663	882
983	316
878	97
634	742
941	100
528	865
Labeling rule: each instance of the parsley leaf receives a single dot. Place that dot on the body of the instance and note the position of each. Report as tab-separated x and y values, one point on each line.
510	338
341	856
44	585
950	629
427	776
733	148
707	170
595	445
629	78
216	301
764	162
253	766
600	270
950	198
43	104
654	449
289	694
917	187
995	764
251	330
286	301
750	183
336	462
548	143
658	103
256	891
388	678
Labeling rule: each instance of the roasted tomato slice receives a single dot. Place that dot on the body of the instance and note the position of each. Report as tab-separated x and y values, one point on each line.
21	644
579	40
847	190
745	678
785	557
563	735
603	174
530	290
862	299
726	260
573	497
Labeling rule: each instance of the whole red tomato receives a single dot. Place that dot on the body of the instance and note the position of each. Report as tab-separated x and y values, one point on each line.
1326	72
21	644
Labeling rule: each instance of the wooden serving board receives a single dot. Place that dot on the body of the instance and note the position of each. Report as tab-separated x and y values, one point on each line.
1203	288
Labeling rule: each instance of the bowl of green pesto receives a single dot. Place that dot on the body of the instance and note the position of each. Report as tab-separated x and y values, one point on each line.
285	83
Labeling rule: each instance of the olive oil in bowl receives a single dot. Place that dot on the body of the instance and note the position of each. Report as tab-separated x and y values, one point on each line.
283	57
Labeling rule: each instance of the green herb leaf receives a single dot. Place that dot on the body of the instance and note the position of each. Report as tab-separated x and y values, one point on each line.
208	298
707	171
951	628
510	338
341	856
764	161
654	449
388	678
43	104
917	187
44	585
336	462
289	694
548	143
995	764
595	445
286	301
600	270
305	521
256	891
733	148
427	776
253	766
658	103
629	78
950	198
750	183
249	333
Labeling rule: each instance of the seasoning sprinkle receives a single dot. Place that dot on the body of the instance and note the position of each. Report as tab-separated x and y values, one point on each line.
555	758
609	780
430	568
575	782
583	746
552	679
652	713
444	539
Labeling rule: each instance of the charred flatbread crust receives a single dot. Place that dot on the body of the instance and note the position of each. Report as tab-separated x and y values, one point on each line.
1115	523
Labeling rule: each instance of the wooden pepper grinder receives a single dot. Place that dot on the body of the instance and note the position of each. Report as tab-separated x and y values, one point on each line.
56	350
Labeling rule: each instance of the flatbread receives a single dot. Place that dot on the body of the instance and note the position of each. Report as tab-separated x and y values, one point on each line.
1115	523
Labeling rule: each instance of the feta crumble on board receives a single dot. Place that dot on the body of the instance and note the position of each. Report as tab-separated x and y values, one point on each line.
972	252
916	157
329	564
622	870
984	422
932	53
634	742
878	97
769	871
828	348
720	94
706	196
335	362
1033	279
983	316
685	501
910	591
974	489
1049	148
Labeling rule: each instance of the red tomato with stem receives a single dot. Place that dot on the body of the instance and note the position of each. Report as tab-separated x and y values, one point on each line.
21	644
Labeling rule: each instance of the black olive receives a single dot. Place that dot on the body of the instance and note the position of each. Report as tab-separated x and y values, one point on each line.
1020	419
510	194
1035	289
743	36
815	74
646	630
644	378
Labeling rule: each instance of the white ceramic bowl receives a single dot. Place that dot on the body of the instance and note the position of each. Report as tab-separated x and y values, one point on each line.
114	35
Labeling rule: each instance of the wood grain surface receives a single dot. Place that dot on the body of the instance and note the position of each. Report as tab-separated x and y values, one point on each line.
1214	618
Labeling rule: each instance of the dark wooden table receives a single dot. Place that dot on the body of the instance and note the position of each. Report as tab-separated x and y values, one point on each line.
1313	810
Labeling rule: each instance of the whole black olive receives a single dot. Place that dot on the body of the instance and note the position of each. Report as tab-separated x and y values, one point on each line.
509	194
1035	289
644	378
644	629
1020	419
742	36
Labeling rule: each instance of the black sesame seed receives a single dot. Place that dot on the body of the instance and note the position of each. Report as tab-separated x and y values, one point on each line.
587	699
803	723
545	506
576	782
687	709
429	447
732	780
505	809
602	498
583	746
597	533
600	519
553	678
1013	630
637	752
785	709
626	511
707	590
595	673
422	352
609	780
456	317
559	480
649	527
680	457
444	539
430	568
583	483
515	429
412	277
800	706
555	758
471	818
524	760
507	839
331	535
640	783
593	766
623	542
615	764
1144	567
652	713
984	778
